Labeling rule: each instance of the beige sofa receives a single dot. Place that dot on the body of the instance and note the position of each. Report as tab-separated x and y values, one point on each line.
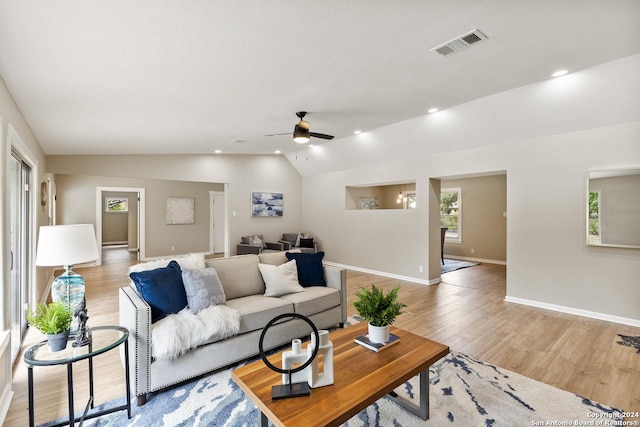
244	289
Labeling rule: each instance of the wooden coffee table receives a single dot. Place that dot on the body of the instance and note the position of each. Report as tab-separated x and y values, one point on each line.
361	377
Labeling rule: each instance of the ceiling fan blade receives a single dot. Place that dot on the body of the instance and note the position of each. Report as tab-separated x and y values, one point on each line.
278	134
321	135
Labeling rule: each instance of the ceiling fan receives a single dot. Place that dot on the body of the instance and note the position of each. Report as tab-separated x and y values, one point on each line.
301	133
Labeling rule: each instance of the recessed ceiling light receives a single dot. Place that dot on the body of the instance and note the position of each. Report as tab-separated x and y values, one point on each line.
218	151
277	151
559	73
355	132
433	110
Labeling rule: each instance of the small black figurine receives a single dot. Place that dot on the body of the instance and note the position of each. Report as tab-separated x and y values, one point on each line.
82	337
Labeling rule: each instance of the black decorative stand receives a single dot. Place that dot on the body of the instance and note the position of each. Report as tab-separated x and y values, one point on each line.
286	391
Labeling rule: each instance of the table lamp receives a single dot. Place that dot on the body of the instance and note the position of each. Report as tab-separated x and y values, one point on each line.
67	245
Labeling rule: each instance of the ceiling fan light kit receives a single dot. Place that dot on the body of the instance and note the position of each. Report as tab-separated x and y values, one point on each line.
301	133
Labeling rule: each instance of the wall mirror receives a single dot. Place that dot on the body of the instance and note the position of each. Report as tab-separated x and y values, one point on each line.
613	208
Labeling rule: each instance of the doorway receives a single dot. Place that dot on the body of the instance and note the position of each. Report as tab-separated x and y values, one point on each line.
23	220
218	227
118	207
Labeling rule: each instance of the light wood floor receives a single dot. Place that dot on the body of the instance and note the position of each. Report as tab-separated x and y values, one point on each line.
466	311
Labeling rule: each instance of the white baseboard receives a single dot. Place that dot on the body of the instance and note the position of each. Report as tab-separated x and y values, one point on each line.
575	311
385	274
116	243
486	261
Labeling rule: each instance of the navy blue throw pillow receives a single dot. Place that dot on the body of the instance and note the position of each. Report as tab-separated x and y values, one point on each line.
306	243
310	272
162	289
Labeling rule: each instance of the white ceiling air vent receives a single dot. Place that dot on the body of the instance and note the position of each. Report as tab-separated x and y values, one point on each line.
460	43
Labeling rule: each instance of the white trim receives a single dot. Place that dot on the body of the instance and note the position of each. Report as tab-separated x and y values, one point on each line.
486	261
575	311
227	226
385	274
7	393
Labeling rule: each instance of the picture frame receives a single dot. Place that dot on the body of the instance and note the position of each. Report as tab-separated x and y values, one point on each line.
266	204
116	204
180	211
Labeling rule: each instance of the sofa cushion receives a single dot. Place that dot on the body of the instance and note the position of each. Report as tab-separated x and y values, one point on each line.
313	300
280	279
257	310
239	275
273	258
310	271
162	289
203	288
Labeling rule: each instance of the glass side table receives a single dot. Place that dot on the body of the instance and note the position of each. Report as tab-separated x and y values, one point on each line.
103	339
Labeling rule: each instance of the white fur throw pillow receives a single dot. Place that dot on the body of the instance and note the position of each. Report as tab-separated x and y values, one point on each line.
192	261
280	279
176	334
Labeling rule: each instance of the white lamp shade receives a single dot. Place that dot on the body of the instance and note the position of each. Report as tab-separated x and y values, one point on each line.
66	245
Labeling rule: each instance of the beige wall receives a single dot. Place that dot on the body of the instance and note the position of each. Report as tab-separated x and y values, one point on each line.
548	259
160	237
484	227
241	174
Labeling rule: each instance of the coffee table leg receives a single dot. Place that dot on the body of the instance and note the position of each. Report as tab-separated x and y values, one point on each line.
421	411
264	421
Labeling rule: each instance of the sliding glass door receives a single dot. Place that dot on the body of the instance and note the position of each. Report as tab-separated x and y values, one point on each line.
19	199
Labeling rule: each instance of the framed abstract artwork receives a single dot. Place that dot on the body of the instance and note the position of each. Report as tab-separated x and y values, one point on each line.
266	204
180	210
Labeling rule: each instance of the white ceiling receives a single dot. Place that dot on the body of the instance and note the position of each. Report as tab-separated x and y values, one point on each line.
133	77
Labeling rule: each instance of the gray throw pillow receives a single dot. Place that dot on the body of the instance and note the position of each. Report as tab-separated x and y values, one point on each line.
203	288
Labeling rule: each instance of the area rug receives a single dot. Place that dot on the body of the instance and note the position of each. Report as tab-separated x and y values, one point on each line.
454	264
463	392
630	342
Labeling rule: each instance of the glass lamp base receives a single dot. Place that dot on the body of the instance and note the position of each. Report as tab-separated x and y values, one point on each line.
69	288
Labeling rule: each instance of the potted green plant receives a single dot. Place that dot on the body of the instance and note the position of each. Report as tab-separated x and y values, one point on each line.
379	310
53	320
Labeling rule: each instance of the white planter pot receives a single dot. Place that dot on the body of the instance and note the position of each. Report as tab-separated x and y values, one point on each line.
378	334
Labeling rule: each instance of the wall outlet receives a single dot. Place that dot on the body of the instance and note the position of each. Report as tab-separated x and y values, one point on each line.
421	269
173	248
473	251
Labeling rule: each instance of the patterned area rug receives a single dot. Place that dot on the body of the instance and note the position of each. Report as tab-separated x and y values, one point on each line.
454	264
463	392
630	342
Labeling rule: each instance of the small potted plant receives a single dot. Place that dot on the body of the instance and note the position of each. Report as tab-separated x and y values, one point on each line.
53	320
379	310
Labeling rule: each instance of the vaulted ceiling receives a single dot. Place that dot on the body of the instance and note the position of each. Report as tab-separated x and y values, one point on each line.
133	77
